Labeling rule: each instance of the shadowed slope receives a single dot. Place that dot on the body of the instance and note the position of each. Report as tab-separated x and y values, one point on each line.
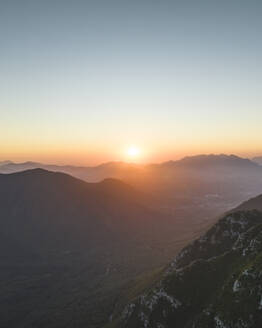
213	282
65	242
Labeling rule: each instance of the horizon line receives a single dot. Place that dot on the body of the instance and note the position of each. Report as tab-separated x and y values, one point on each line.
123	161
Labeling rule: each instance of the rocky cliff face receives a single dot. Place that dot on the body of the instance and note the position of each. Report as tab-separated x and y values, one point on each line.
214	282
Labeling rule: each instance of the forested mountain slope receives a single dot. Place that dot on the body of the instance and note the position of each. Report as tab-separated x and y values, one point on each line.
214	282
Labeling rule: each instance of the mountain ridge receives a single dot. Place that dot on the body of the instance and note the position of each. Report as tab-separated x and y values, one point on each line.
196	160
204	160
186	296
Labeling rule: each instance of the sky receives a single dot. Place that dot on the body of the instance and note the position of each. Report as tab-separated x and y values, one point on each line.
82	81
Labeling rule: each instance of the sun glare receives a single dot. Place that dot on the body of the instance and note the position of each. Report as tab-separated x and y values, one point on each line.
133	152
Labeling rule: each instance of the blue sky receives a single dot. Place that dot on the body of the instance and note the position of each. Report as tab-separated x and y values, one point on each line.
82	80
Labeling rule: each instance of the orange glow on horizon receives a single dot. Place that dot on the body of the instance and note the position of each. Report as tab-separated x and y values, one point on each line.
92	154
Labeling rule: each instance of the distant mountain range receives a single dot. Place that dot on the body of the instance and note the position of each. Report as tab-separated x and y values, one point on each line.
90	174
213	282
228	178
205	161
5	163
122	169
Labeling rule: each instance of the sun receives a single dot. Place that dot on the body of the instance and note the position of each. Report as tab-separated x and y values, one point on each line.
133	152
